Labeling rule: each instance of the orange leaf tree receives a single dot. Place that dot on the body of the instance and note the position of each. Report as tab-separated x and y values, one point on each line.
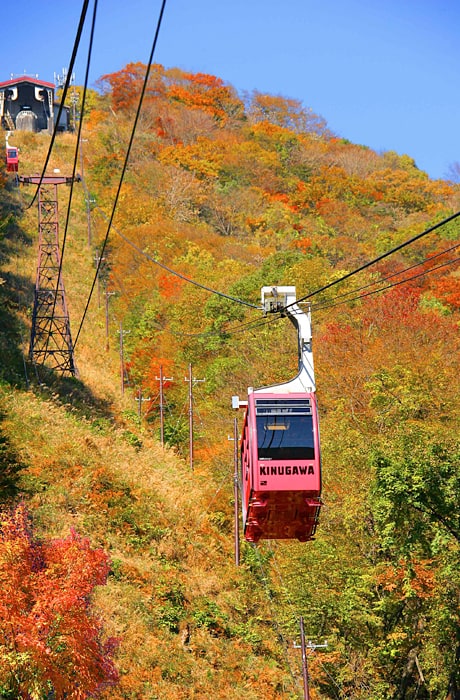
209	93
50	639
124	86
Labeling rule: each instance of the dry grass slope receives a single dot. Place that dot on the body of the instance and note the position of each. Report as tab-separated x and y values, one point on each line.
190	625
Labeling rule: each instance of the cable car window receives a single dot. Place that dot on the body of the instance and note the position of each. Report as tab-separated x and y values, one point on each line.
285	429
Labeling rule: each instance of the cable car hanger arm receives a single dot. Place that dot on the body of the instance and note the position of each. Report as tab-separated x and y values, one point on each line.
283	299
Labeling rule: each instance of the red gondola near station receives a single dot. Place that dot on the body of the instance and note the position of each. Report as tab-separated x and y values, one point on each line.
280	449
12	159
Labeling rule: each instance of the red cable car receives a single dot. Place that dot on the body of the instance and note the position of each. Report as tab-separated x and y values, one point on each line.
12	159
280	449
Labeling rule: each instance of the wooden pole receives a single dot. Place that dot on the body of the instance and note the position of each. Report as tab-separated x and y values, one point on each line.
162	379
190	414
306	692
235	491
107	295
190	381
122	361
97	260
162	409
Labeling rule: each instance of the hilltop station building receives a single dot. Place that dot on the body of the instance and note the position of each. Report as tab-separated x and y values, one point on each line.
28	104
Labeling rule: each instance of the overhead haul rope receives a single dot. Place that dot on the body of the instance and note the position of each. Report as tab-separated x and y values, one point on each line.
125	165
174	272
327	304
384	279
257	323
320	307
378	259
64	94
80	123
88	62
252	325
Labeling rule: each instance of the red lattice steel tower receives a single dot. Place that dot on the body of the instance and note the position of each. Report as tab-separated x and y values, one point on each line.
50	339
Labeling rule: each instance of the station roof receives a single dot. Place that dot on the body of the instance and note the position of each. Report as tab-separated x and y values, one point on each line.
26	79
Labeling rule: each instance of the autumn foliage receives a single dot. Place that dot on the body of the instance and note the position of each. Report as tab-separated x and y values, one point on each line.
234	193
50	638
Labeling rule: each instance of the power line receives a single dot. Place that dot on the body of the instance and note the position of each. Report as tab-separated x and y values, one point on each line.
247	326
125	164
276	623
253	325
286	592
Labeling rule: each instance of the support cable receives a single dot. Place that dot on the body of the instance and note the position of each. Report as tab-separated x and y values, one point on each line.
174	272
64	94
254	324
152	405
380	257
321	307
257	323
125	164
74	169
326	302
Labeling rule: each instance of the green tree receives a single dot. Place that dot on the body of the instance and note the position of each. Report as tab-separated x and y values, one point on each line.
417	522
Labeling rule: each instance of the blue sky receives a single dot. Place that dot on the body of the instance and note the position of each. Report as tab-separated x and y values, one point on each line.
383	73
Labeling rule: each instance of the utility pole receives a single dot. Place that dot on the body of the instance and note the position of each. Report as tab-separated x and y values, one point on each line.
236	404
162	379
303	647
50	339
107	295
87	200
74	100
235	491
98	260
190	379
139	400
122	358
306	691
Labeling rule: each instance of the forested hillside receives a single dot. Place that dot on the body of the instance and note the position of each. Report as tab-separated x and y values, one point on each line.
224	194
